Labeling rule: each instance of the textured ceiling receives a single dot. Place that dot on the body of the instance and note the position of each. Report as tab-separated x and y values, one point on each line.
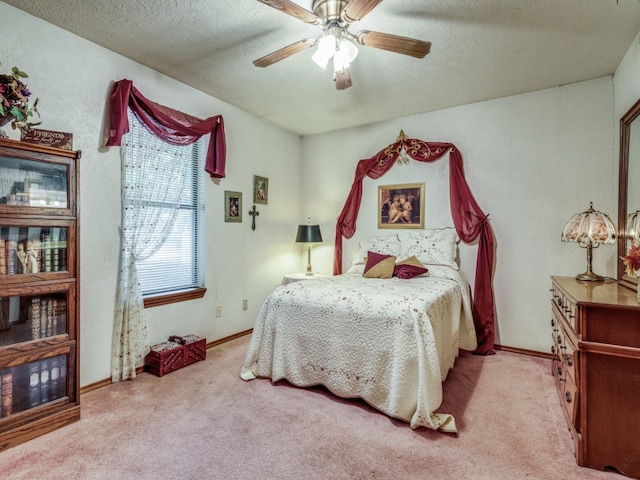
481	49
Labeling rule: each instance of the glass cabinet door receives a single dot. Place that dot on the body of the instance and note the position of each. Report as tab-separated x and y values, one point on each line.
31	183
26	250
32	384
32	317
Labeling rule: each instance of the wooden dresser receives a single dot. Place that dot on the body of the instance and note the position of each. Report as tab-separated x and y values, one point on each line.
596	365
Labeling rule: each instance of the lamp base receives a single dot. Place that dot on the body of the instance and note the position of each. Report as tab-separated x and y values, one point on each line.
589	276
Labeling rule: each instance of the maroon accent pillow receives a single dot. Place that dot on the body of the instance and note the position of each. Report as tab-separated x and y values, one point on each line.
379	265
409	268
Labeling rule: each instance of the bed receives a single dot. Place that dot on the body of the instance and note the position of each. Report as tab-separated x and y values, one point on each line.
389	341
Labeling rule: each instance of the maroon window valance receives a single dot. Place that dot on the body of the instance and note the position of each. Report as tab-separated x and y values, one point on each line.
470	221
171	125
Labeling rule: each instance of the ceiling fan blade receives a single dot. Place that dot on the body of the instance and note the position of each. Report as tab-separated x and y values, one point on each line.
290	8
358	9
342	78
284	52
394	43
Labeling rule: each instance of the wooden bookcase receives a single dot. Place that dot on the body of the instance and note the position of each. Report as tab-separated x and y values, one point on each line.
39	290
596	365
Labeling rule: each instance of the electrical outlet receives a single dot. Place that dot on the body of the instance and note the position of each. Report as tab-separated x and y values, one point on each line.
245	303
218	311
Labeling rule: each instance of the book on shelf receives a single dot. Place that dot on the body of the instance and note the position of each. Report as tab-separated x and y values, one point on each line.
34	384
4	317
60	316
43	318
3	255
62	386
49	329
11	251
47	261
55	252
34	317
45	380
6	392
62	249
55	378
54	317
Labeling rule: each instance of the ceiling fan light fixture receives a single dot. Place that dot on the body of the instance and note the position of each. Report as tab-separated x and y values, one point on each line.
346	53
348	49
324	52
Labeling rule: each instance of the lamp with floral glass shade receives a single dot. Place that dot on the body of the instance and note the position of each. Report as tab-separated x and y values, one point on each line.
589	229
631	261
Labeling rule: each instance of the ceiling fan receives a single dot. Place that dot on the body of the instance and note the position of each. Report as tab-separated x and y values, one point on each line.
334	18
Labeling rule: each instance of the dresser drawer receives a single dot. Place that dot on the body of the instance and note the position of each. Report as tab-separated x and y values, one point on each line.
570	401
564	306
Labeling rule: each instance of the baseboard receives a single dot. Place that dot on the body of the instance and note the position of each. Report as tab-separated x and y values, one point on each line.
107	381
220	341
523	351
229	338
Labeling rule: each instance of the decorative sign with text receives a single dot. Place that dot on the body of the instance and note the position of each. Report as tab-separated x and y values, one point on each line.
48	137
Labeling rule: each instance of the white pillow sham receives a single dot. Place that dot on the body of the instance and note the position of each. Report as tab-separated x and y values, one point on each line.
437	246
385	245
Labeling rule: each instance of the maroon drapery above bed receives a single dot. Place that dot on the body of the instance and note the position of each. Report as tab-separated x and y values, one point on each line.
170	125
468	218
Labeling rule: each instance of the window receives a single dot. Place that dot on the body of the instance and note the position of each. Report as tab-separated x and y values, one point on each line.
174	271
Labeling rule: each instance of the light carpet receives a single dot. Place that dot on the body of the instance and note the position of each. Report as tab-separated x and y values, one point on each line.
204	422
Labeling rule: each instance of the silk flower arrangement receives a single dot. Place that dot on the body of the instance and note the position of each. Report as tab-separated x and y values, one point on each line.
14	100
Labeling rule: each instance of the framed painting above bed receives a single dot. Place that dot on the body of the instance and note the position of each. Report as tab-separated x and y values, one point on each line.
401	206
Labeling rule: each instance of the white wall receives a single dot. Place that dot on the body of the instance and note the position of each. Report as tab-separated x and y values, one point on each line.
627	81
531	161
73	77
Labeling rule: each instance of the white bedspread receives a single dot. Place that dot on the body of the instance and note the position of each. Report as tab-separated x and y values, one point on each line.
389	342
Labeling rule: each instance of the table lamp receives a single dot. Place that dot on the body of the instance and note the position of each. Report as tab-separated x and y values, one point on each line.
589	229
633	227
309	234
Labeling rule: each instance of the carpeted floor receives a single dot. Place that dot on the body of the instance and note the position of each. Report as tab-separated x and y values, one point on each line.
204	422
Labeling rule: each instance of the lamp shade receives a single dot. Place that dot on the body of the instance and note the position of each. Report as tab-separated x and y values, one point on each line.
633	227
590	227
308	234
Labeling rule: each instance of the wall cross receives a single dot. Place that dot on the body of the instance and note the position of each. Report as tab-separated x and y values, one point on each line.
254	213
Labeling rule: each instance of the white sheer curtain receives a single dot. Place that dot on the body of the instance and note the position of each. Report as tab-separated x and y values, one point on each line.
149	208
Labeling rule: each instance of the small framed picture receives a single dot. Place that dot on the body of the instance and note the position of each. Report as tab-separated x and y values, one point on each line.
260	189
401	206
232	206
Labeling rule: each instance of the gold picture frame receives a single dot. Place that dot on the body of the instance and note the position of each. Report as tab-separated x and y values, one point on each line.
401	206
260	189
232	206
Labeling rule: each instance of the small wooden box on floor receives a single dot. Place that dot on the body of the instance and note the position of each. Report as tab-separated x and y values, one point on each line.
176	353
596	365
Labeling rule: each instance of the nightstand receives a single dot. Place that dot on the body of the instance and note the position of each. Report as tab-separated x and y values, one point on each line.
296	277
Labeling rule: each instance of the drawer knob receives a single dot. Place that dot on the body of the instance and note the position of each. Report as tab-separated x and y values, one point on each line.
567	397
553	322
569	361
559	338
553	349
559	371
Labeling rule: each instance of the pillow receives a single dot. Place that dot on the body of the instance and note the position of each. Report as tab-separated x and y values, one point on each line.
409	268
387	245
355	270
431	246
379	265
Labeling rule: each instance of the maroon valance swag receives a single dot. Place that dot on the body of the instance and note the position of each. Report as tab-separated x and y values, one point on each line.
170	125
